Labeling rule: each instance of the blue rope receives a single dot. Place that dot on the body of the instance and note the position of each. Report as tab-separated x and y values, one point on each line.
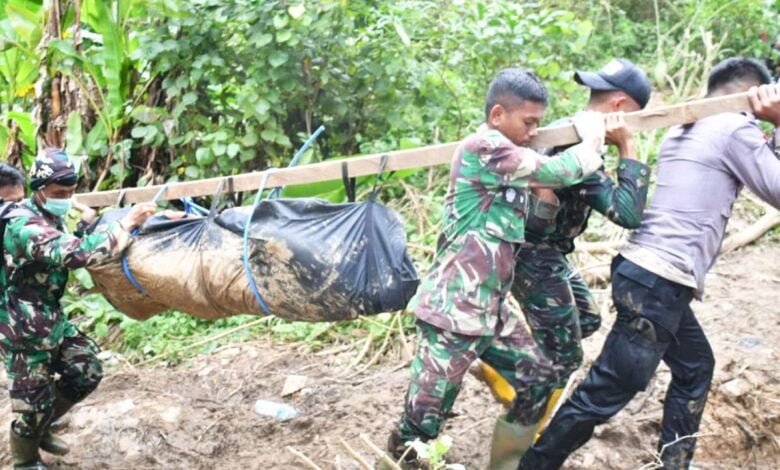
190	207
129	274
247	269
275	192
125	264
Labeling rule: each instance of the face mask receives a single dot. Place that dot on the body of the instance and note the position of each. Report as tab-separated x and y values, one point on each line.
57	207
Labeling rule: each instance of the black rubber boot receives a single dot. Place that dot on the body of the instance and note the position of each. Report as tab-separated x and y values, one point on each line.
49	442
24	452
398	449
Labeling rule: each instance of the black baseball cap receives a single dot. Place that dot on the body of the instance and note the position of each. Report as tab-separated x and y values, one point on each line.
618	74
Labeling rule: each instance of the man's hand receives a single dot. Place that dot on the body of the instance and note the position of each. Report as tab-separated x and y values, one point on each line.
174	215
590	127
619	135
138	215
88	214
765	101
546	195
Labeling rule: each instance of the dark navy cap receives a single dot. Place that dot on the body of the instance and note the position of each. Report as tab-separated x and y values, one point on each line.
618	75
52	166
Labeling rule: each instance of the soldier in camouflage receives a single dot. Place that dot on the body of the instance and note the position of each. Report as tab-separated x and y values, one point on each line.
37	341
556	301
11	184
460	304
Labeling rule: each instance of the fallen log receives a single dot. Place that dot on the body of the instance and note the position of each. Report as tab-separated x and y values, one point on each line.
767	222
422	157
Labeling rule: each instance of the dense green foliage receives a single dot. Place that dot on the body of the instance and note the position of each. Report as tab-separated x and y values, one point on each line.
164	90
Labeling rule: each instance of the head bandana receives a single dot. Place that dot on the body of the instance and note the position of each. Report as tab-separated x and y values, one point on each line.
53	167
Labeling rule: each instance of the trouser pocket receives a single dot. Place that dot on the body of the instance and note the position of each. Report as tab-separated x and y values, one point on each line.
632	356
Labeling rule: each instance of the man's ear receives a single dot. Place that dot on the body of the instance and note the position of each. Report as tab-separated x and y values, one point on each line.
618	103
496	115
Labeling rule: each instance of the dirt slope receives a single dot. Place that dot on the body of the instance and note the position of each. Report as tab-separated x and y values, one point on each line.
199	415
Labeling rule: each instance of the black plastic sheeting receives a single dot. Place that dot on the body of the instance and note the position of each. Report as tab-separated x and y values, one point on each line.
363	243
311	261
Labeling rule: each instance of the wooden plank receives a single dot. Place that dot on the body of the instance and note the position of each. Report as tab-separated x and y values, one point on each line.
422	157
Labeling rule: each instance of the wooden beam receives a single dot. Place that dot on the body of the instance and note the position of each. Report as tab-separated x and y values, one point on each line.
422	157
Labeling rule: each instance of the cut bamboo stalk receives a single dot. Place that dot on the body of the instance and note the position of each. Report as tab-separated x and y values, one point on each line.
747	236
355	455
309	463
422	157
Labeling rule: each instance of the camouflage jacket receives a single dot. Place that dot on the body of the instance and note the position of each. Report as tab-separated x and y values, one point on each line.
38	255
484	219
622	204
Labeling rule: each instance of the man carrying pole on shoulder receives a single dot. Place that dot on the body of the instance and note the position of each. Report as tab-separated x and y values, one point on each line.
702	167
558	306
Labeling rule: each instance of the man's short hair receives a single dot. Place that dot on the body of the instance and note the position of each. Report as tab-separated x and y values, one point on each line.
10	176
738	70
513	85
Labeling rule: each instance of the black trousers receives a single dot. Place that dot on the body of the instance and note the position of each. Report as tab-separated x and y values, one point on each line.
654	322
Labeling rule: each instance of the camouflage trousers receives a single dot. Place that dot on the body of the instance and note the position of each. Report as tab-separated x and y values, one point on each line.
32	383
558	306
443	358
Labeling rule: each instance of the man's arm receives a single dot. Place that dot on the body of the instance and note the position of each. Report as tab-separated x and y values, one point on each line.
623	203
32	239
574	164
755	162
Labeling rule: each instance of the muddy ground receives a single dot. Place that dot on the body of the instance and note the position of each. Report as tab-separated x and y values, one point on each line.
198	415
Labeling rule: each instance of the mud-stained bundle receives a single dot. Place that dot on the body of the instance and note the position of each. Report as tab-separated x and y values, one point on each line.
309	260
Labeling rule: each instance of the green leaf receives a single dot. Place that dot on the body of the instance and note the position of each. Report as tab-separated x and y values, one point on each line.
83	277
96	139
74	135
280	21
247	155
26	126
203	156
283	140
296	11
312	189
262	107
113	53
192	172
65	49
283	36
233	149
151	133
399	28
189	98
101	330
24	16
268	135
138	132
250	139
260	40
218	149
277	58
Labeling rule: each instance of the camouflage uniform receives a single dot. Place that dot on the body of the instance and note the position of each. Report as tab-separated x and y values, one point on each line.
558	306
36	339
460	304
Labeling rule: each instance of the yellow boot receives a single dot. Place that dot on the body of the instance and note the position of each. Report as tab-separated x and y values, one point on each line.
549	411
510	442
501	389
